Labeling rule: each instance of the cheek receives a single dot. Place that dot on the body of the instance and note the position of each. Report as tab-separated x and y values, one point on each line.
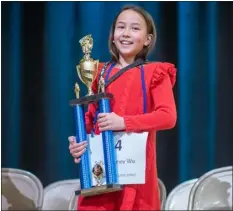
139	42
139	38
142	40
116	35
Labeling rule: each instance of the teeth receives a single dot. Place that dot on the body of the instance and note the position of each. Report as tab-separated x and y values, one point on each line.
125	42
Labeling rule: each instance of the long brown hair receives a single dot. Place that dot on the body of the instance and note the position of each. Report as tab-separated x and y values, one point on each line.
150	30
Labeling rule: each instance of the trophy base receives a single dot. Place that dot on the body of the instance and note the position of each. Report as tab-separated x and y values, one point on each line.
90	98
99	190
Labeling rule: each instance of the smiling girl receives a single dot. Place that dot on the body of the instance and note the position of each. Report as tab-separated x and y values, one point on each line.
143	101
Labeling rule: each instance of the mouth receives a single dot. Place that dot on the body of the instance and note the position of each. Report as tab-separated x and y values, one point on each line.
126	42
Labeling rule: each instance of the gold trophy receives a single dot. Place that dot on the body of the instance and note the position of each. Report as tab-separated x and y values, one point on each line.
87	68
87	71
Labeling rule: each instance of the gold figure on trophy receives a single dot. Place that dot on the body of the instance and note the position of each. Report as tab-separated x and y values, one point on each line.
87	68
102	84
98	172
76	90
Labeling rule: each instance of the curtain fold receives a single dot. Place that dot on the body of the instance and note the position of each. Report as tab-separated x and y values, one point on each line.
11	83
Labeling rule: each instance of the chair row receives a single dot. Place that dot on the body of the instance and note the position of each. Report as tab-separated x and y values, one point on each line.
61	195
23	190
212	191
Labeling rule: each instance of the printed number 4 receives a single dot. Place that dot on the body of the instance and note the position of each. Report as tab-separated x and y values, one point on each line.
118	145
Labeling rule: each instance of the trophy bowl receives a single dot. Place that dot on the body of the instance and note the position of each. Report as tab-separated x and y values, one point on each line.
87	71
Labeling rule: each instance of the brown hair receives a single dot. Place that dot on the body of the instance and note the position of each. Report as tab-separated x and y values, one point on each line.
150	30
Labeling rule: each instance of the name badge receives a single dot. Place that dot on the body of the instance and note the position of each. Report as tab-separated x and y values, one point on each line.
130	157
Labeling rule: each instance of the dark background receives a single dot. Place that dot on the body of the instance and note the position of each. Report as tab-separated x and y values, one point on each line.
39	53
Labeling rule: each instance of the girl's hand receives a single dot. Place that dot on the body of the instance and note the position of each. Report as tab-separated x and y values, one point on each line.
110	121
76	149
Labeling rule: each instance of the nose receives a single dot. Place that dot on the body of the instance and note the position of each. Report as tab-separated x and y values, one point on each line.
126	32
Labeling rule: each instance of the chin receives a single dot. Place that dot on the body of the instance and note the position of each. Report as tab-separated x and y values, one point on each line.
127	53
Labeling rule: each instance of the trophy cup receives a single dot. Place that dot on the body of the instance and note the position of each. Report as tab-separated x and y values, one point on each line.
87	72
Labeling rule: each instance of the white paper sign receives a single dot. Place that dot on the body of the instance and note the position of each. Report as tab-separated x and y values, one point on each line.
130	157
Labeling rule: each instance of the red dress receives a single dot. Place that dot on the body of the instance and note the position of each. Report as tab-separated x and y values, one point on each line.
161	114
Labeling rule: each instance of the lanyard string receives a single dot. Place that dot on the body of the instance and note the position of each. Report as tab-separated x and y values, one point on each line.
108	72
143	88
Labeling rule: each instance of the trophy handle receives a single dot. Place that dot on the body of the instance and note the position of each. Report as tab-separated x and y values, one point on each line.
79	74
97	64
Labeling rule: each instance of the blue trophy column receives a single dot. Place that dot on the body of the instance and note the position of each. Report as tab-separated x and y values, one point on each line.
108	146
81	135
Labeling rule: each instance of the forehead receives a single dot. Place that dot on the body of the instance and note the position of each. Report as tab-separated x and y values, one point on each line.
131	16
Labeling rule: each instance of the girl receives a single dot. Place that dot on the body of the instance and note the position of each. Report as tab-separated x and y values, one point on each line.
143	101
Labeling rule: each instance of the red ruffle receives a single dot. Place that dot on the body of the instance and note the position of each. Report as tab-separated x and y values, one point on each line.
161	70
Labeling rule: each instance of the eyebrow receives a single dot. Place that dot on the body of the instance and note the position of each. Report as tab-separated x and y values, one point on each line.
121	22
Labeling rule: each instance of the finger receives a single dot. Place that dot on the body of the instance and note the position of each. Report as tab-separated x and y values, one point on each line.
74	145
101	115
103	124
77	160
79	154
77	148
102	119
108	127
72	139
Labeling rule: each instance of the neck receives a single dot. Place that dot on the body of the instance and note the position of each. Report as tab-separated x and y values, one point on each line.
124	61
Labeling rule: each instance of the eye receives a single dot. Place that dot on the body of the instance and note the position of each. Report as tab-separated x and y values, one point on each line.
120	27
136	28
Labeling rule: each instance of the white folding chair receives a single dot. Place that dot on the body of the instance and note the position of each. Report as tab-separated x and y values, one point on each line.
57	195
21	190
162	193
73	201
178	198
213	191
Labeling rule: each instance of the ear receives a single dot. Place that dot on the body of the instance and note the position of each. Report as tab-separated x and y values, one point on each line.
148	40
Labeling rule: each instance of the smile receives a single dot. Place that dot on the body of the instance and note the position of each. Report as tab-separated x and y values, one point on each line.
124	42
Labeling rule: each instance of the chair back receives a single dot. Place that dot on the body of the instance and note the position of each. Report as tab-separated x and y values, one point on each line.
213	191
73	204
162	193
21	190
57	195
178	198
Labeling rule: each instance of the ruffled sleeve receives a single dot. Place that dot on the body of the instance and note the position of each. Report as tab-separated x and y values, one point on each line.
164	114
161	70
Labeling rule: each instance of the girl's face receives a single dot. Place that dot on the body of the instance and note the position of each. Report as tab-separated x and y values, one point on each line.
97	170
130	35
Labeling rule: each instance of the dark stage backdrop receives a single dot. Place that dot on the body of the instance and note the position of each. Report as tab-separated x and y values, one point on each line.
40	50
